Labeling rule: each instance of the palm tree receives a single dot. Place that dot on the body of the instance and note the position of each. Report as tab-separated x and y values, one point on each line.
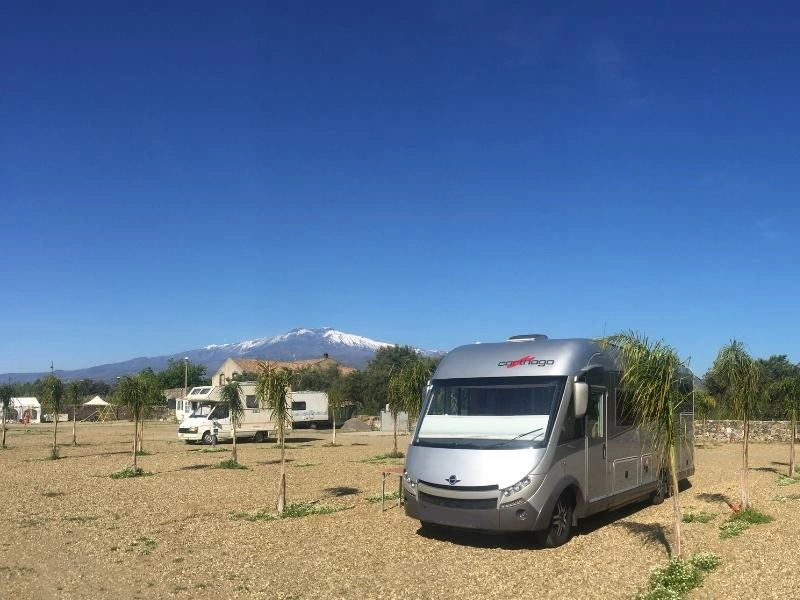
657	384
336	396
6	393
231	400
272	389
414	377
704	403
53	395
136	392
74	397
739	376
787	392
153	397
396	401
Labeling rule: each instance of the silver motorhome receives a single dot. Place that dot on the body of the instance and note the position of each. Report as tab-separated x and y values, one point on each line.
531	435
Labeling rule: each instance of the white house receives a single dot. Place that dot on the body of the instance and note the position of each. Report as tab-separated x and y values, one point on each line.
240	366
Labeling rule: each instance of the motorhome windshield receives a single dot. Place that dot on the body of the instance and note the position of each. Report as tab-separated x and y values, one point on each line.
488	413
202	411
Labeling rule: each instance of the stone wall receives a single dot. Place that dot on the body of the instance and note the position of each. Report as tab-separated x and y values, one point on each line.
760	431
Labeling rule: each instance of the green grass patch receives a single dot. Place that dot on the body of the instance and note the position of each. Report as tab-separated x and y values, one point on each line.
30	522
15	570
741	521
278	447
678	577
331	445
384	457
752	516
53	455
143	453
294	510
388	496
787	497
730	529
143	545
698	517
214	449
130	471
231	464
80	519
52	494
786	480
307	465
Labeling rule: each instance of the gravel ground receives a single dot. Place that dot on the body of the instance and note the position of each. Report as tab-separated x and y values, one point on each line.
67	530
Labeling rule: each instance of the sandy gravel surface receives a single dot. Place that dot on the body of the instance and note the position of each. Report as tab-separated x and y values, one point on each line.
67	530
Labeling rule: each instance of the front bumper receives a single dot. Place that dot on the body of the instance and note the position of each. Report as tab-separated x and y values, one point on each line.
520	517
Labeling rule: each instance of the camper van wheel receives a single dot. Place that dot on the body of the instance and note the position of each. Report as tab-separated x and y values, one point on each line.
662	489
560	529
207	438
258	437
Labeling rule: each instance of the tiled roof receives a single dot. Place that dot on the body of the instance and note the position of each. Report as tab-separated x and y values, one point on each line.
251	365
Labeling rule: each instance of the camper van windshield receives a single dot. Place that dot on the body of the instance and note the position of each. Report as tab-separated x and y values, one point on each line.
487	413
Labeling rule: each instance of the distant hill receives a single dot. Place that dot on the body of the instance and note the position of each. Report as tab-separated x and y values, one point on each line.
297	344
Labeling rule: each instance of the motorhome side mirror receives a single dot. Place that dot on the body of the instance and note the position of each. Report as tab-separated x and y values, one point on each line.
581	392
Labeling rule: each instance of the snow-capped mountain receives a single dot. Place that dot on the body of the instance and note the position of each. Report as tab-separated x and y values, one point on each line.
297	344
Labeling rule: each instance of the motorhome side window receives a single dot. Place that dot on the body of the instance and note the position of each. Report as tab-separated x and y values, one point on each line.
219	413
299	405
595	413
250	401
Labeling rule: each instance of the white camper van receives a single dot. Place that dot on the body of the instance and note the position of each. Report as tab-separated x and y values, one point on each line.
208	418
310	409
531	435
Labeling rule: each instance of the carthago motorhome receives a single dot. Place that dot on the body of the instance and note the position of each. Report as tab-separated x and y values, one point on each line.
531	435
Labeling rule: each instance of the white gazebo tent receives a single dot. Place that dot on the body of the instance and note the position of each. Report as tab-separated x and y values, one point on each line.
30	406
102	412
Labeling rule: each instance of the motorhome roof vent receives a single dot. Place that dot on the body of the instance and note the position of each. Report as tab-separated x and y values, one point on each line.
528	337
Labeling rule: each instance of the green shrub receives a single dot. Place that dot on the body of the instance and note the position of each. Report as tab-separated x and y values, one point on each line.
230	464
786	480
752	516
706	561
129	472
730	529
53	454
293	510
384	457
678	577
388	496
787	497
698	517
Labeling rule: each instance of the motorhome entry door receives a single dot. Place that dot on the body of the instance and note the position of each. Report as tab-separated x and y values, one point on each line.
596	467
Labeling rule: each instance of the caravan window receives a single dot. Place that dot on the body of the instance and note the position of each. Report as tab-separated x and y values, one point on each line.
250	402
299	405
491	412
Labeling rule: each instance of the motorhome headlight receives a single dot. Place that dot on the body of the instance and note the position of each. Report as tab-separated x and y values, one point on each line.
193	429
408	479
517	487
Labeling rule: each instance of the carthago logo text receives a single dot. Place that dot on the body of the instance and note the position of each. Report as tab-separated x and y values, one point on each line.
525	360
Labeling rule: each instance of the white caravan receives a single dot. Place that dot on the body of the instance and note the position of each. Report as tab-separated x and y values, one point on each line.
531	435
209	418
310	409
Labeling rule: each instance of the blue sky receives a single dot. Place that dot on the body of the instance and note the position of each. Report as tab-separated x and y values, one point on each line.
431	173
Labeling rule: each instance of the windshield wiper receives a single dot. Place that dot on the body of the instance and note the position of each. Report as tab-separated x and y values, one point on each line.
516	437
